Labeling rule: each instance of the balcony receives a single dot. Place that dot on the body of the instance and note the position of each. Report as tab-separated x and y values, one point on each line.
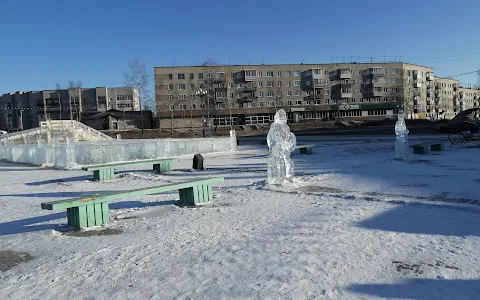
374	72
246	89
346	95
455	88
418	106
417	83
341	74
415	74
429	76
306	84
221	99
248	98
245	76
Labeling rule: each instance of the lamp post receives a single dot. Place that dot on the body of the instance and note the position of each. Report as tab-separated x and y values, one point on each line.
202	93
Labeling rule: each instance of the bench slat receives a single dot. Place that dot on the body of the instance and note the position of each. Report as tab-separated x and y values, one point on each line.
68	203
131	163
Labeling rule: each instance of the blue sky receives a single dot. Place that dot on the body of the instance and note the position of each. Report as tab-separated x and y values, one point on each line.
50	41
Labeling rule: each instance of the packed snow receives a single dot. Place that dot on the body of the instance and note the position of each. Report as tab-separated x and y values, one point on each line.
354	224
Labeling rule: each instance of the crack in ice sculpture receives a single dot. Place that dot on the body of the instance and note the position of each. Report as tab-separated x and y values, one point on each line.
401	143
281	143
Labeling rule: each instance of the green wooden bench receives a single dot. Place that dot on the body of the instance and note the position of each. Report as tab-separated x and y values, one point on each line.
424	148
93	210
306	149
107	171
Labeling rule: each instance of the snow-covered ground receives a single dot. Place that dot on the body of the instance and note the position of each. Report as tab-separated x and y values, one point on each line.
355	225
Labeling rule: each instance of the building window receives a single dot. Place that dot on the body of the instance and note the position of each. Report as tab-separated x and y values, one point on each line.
307	93
297	82
279	103
260	74
192	86
182	97
308	102
181	86
260	104
279	73
192	76
289	102
269	94
170	97
327	92
239	85
297	93
260	84
288	73
385	99
269	104
200	75
269	83
170	76
181	76
296	73
279	84
298	102
170	86
385	90
287	83
172	106
394	71
394	80
260	94
289	93
250	73
269	74
249	104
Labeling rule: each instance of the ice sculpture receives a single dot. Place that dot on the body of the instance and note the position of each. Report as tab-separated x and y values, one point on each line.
401	143
280	142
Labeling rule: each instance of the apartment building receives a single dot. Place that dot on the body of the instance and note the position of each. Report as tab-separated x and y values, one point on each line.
24	110
250	94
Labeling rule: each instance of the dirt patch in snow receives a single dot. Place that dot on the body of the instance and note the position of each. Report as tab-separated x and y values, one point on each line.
9	259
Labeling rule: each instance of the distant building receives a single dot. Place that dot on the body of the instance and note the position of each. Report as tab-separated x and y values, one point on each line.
24	110
250	94
120	120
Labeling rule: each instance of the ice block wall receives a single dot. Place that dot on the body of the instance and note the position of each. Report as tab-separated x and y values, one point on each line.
76	154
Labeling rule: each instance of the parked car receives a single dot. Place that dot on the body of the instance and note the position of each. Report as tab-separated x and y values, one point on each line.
2	132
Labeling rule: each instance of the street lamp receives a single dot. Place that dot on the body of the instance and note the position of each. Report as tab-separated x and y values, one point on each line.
202	93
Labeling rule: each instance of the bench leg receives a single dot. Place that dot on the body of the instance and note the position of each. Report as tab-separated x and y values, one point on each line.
103	174
196	195
420	150
163	167
88	215
437	147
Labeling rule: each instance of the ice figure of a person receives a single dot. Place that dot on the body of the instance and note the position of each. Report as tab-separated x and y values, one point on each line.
401	143
280	142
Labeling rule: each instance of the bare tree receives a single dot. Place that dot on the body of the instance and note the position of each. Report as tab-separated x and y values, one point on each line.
58	88
137	77
477	85
74	91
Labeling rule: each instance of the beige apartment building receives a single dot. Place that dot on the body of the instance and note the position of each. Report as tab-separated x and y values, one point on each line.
250	94
24	110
